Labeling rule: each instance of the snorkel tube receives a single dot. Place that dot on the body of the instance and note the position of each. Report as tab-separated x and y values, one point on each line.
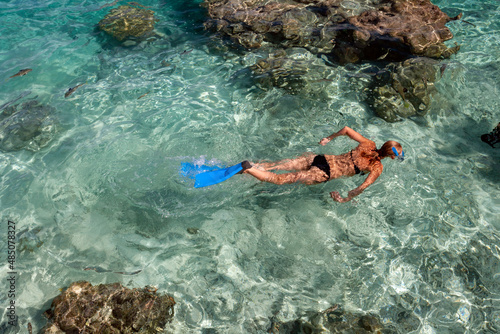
399	157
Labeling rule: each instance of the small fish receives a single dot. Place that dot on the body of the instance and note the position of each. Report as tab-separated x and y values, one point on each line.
30	328
165	63
443	67
325	59
385	55
331	309
472	24
102	270
359	75
323	80
400	89
21	73
72	90
140	97
137	4
185	52
109	4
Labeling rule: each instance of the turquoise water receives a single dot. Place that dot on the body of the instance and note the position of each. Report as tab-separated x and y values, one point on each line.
106	190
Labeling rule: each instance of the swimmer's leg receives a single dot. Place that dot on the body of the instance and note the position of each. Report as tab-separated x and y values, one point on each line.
311	176
301	163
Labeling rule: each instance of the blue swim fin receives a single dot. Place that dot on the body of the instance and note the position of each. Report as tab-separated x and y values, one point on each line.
190	170
216	176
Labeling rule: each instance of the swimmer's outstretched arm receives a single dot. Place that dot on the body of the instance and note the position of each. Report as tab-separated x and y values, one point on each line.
346	131
355	192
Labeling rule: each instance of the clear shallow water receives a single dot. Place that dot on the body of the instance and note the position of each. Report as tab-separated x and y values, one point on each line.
106	192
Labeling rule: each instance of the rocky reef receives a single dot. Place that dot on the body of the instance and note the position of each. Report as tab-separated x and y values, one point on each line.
126	22
346	30
29	125
108	308
404	38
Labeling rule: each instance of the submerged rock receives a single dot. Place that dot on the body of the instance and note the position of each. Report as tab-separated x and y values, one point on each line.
280	70
30	125
493	137
350	31
294	71
126	21
407	92
109	308
415	27
332	320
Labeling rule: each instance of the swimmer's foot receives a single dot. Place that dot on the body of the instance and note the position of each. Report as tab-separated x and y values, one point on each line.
245	165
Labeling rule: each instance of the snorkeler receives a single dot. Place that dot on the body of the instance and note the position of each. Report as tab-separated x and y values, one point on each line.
314	169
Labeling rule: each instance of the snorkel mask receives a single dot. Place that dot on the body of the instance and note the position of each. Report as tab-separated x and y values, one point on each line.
399	157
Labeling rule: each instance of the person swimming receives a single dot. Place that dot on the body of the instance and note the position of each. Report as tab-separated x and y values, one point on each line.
314	169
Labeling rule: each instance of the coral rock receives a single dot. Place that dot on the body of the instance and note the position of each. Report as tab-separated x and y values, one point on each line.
126	21
109	308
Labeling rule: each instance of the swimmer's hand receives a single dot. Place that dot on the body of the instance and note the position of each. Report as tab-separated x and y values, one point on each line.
336	197
324	141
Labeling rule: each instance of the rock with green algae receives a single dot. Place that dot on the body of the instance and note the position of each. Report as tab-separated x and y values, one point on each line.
109	308
126	21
